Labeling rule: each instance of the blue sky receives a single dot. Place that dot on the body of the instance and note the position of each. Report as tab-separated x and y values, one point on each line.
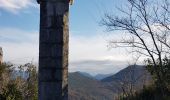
19	25
85	15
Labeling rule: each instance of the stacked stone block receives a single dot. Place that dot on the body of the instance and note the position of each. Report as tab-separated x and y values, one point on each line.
53	50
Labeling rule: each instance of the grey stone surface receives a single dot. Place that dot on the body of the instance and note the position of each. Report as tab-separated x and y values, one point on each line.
1	55
53	90
53	50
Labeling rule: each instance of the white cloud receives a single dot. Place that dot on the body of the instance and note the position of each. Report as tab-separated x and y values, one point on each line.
16	5
12	35
20	53
89	54
96	67
19	46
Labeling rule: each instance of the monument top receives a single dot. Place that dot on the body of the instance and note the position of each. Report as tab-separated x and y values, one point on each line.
65	1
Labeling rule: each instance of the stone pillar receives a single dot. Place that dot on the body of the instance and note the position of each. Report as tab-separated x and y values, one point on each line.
1	55
53	50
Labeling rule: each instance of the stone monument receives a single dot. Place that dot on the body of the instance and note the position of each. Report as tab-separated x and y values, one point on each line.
1	55
53	50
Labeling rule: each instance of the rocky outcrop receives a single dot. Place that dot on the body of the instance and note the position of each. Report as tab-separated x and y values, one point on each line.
1	55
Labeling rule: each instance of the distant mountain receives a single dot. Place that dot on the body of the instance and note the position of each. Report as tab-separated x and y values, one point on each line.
101	76
85	88
133	72
98	76
22	74
135	75
85	74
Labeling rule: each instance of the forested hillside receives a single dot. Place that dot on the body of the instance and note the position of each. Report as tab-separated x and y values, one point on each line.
22	83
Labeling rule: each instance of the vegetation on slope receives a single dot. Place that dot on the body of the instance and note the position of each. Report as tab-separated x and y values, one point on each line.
154	91
18	88
85	88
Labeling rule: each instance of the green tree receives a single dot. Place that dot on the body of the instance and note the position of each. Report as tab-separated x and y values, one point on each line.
165	75
15	86
8	88
11	92
31	83
5	74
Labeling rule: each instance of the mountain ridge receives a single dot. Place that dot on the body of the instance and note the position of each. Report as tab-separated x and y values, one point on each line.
82	87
